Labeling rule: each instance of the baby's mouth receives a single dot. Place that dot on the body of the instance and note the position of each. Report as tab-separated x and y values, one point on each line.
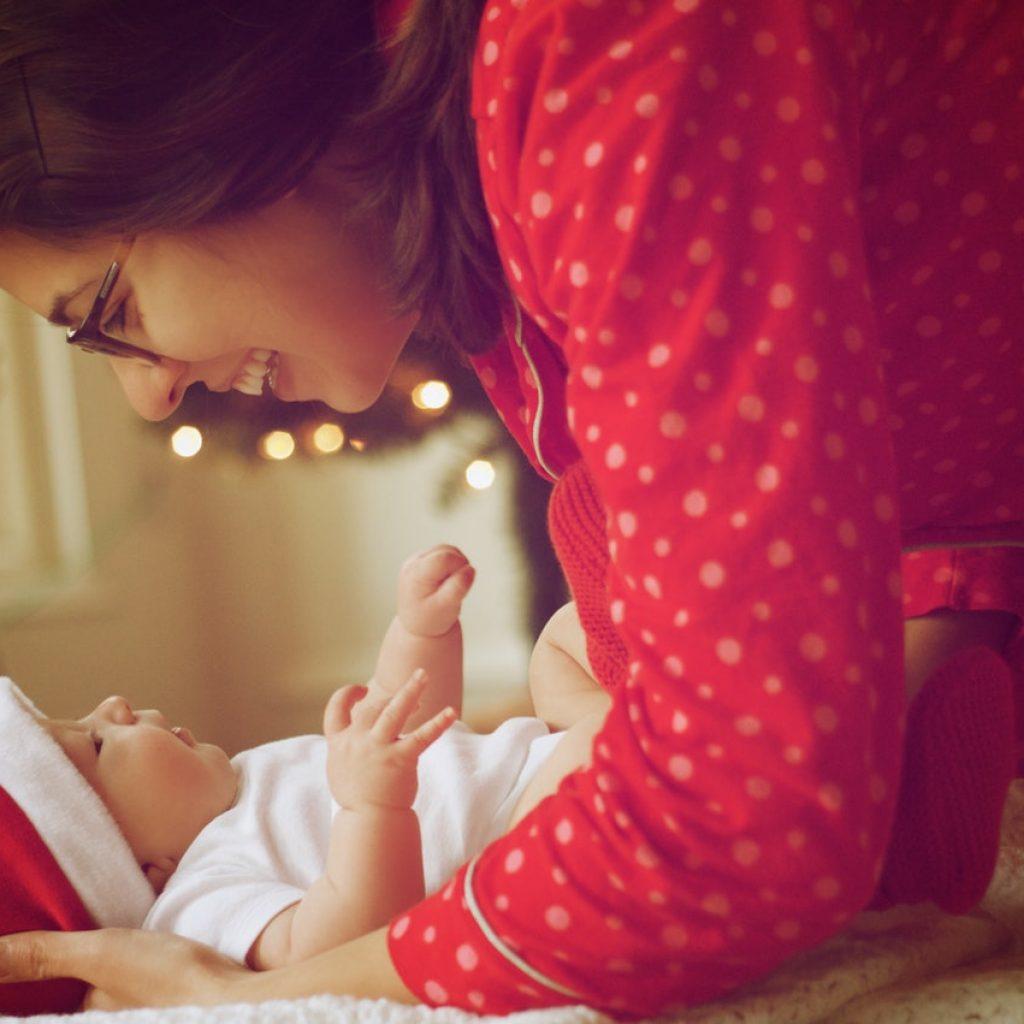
260	366
184	735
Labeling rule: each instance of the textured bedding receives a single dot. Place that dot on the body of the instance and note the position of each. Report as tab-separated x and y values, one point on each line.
900	966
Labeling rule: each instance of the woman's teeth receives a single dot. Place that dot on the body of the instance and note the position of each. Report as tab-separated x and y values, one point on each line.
259	367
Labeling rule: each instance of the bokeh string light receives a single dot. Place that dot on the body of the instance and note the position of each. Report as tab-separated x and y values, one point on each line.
277	445
328	438
431	388
186	441
480	474
431	395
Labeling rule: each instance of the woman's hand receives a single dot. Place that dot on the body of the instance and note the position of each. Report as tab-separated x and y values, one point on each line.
134	968
125	968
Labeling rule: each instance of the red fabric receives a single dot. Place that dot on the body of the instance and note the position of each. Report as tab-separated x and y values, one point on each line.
964	579
958	764
766	256
576	523
959	748
35	895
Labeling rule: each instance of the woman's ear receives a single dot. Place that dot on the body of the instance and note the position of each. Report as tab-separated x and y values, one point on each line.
159	871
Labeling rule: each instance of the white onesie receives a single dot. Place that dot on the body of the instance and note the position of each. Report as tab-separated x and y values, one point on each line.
270	846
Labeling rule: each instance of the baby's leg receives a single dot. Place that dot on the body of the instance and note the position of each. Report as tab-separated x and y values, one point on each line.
566	696
573	751
562	683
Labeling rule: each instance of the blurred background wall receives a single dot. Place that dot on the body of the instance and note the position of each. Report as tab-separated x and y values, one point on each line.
233	592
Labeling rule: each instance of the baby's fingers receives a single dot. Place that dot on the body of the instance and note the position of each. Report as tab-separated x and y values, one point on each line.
397	710
338	713
456	586
420	738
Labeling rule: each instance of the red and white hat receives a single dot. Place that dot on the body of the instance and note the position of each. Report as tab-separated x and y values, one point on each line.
64	864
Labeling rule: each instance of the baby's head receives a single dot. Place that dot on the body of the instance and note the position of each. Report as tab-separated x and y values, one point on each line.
160	786
94	815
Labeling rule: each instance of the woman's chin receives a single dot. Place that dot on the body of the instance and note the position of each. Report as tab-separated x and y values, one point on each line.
291	383
307	382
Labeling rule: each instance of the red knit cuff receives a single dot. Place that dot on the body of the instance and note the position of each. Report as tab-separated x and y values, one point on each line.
576	520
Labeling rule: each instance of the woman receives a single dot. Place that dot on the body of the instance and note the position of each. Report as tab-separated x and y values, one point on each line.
739	279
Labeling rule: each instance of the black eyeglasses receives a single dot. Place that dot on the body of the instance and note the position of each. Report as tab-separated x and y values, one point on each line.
90	337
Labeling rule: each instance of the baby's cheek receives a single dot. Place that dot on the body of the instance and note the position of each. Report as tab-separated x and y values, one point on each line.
168	763
225	786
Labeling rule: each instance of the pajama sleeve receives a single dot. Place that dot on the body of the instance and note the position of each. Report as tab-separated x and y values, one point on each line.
696	251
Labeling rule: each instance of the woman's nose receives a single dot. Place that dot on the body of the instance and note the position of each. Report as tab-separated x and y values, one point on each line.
154	392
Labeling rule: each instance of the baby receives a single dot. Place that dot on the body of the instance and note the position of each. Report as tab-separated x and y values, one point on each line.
256	856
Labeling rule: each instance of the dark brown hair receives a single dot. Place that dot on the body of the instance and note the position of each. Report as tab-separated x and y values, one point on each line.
166	115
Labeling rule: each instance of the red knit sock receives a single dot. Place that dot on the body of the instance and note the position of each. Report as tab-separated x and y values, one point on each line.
959	758
1014	655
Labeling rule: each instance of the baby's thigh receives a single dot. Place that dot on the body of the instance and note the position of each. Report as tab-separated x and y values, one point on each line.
573	751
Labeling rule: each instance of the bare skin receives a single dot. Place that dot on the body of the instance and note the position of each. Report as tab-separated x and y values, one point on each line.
931	640
566	694
170	971
374	859
298	277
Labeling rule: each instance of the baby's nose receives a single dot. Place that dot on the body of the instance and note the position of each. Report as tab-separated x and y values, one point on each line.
118	710
151	716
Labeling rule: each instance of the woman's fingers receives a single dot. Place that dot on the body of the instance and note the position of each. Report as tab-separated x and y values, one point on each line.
37	956
127	967
97	999
420	738
396	712
338	713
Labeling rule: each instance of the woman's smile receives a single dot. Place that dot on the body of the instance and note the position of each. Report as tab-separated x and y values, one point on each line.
260	366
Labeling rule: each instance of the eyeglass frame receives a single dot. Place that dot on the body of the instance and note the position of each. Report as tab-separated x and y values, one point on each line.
89	335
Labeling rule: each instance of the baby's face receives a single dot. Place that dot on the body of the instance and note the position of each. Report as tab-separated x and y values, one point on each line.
159	784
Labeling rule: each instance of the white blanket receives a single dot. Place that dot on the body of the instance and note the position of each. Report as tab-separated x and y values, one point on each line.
909	965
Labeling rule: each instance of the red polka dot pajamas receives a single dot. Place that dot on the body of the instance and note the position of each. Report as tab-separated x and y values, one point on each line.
766	260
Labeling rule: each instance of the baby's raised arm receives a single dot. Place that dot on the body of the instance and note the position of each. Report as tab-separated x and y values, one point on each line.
425	632
375	736
374	861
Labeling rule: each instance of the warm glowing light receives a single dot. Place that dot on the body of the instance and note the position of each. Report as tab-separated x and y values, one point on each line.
357	444
278	444
431	394
328	438
480	474
186	442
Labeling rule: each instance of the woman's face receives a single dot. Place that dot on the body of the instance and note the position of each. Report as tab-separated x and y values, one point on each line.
296	278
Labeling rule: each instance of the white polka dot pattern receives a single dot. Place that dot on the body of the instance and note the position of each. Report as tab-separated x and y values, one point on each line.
770	367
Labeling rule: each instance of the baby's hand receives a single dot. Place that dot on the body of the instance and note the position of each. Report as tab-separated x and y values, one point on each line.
369	762
431	588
